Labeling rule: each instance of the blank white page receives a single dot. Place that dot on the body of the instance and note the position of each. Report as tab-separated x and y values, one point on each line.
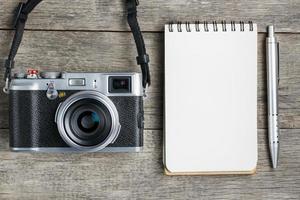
210	99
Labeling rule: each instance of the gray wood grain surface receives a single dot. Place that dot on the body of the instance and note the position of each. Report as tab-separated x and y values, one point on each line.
93	36
140	175
110	14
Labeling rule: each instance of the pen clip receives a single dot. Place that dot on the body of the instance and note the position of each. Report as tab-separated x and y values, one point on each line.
278	60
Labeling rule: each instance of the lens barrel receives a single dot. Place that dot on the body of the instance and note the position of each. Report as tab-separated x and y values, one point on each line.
88	121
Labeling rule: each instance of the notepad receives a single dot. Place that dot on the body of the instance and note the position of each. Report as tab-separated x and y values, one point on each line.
210	116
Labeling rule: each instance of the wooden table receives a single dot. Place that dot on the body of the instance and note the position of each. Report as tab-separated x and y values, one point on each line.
93	36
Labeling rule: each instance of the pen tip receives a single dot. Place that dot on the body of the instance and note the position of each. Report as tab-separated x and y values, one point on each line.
274	165
274	155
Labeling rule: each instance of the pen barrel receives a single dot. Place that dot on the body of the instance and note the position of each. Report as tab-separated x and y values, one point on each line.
273	130
272	88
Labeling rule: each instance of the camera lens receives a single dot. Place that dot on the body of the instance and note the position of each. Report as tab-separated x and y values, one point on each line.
88	121
83	124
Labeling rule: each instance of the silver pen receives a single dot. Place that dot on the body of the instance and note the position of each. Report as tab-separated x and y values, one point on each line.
272	52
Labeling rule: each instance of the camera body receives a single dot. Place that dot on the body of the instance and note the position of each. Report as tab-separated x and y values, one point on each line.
89	112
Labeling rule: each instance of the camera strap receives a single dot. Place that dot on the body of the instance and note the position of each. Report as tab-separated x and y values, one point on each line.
24	9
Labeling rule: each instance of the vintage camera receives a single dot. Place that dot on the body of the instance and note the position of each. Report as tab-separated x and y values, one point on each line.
89	112
59	112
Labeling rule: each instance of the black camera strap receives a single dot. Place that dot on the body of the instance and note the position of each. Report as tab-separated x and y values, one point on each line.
24	10
143	57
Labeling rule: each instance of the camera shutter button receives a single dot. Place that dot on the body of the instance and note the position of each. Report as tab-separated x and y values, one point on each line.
51	92
32	74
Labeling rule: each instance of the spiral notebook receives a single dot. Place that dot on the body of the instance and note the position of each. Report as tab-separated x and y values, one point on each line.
210	115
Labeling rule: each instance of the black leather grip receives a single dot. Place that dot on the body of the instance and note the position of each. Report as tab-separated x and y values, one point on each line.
32	120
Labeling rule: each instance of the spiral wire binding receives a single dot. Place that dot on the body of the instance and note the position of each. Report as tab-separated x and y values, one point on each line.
206	26
232	25
250	25
224	26
242	26
197	26
179	28
215	26
187	26
171	27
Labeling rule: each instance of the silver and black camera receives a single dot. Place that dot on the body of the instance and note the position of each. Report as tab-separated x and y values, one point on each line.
90	112
54	111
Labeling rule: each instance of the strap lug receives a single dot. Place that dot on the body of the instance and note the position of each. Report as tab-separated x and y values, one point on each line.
6	87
